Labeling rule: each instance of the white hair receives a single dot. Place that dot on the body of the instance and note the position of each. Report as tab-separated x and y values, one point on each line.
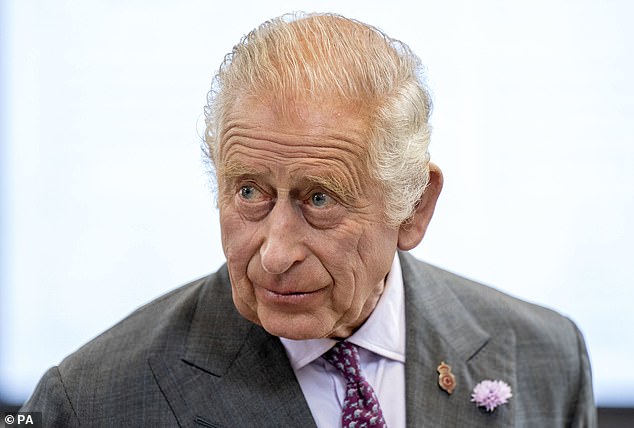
326	57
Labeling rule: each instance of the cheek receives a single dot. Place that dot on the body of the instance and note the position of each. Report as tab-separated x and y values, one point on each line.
337	248
239	245
359	260
236	234
338	252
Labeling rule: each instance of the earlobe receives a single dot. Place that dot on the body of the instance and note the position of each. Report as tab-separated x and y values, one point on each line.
411	232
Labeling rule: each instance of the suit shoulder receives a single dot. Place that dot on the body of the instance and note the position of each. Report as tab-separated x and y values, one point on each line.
109	379
497	310
545	350
157	325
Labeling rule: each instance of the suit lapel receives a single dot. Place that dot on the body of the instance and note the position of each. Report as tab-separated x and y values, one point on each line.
440	328
230	371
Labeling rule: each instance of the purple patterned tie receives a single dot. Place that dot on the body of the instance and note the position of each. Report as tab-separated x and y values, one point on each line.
360	406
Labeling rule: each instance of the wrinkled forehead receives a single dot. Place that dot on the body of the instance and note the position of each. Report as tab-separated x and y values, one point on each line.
305	130
302	114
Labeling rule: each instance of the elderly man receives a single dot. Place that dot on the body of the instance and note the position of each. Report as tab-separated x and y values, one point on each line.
317	127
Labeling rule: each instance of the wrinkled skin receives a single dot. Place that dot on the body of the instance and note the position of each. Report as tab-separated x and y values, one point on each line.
303	225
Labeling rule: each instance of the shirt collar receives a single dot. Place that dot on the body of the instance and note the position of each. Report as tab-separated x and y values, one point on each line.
383	332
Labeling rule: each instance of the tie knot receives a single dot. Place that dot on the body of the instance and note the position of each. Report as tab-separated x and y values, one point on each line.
344	356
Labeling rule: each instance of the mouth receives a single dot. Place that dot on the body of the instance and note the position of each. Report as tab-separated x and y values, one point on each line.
287	296
290	293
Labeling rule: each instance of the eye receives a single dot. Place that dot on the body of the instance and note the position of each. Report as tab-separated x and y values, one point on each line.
322	211
320	199
248	192
252	202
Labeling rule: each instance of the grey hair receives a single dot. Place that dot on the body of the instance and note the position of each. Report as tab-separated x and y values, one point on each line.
326	57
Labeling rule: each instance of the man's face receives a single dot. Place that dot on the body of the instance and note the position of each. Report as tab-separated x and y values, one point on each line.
302	222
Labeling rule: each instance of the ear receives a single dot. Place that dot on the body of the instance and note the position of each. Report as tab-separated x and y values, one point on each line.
412	231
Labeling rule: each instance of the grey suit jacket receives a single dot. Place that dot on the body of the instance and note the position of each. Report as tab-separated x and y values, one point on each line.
189	359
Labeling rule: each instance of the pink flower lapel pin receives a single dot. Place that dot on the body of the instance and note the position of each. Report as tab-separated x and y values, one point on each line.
490	394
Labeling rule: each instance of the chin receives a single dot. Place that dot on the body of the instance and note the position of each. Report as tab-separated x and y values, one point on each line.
295	329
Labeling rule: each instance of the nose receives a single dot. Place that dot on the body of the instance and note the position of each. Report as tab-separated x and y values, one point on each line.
283	244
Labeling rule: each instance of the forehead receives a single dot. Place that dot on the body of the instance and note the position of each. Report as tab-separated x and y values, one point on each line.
306	133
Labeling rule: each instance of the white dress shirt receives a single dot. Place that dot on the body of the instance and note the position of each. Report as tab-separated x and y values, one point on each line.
381	342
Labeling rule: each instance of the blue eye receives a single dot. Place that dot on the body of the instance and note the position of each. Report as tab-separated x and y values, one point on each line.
247	192
319	199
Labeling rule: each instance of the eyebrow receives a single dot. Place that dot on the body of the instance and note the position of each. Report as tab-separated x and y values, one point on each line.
234	170
332	185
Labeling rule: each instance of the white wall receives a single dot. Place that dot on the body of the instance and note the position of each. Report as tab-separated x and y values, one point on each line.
104	199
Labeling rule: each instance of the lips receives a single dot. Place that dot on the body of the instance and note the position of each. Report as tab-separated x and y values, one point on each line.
276	295
281	291
289	293
287	286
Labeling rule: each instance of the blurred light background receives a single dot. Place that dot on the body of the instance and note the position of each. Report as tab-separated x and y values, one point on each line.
104	200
